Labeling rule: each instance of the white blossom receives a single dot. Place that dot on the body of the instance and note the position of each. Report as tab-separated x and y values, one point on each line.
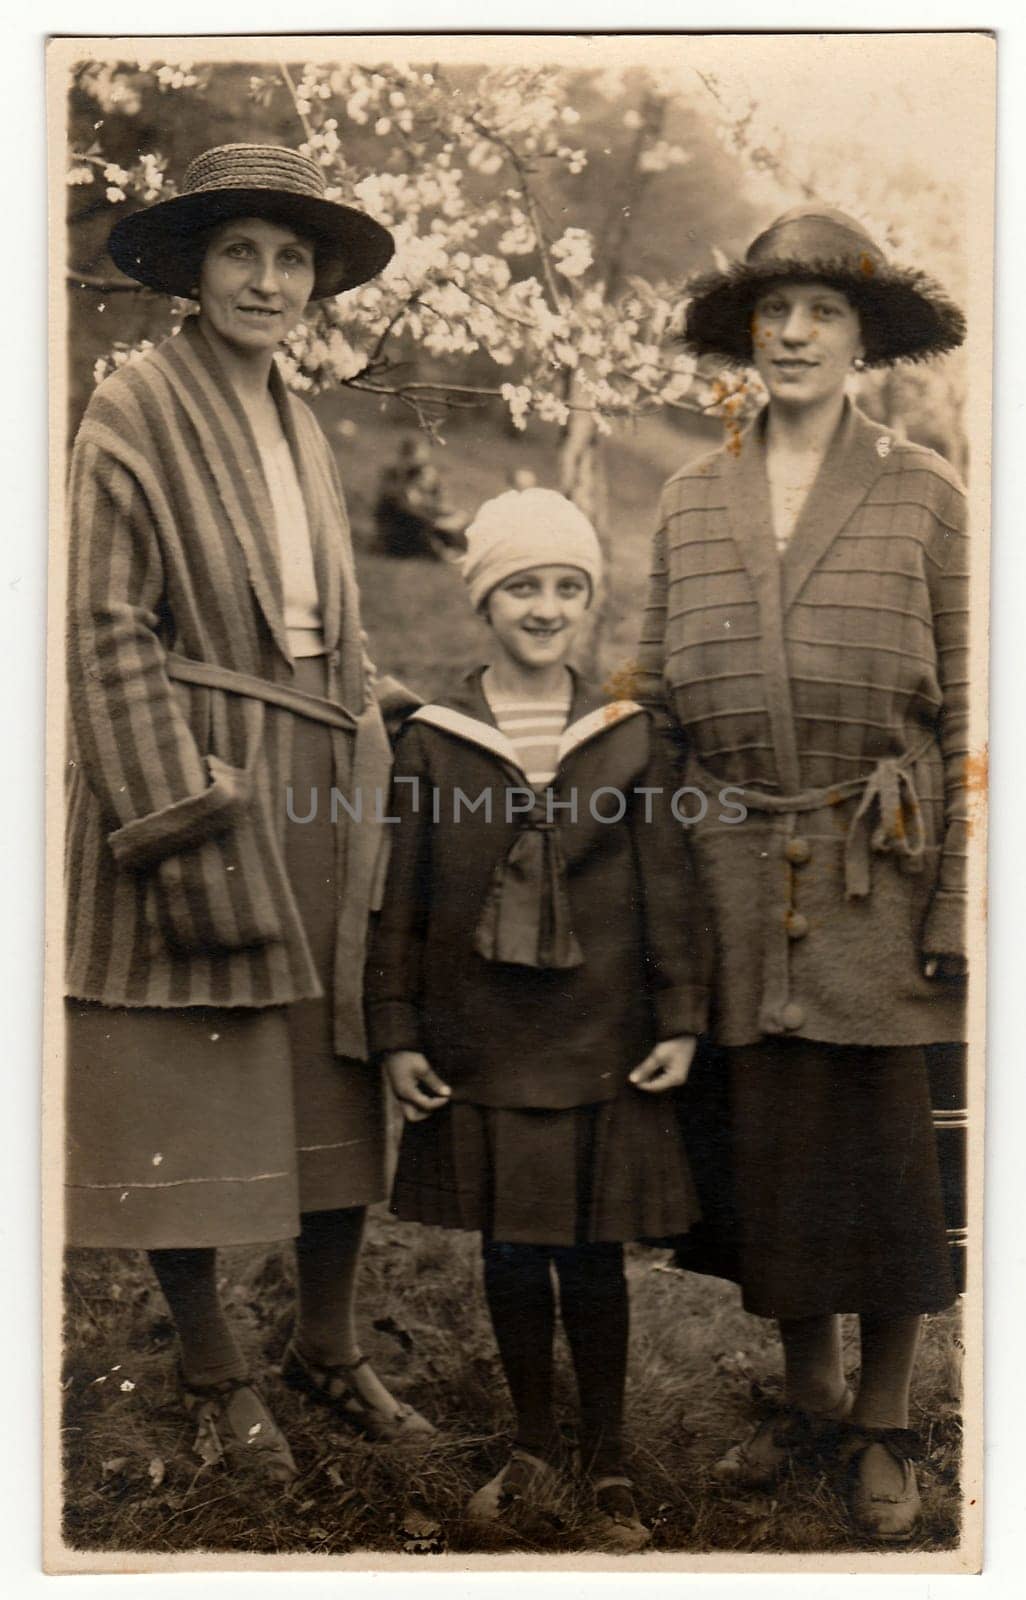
659	157
469	274
518	399
552	409
572	253
520	239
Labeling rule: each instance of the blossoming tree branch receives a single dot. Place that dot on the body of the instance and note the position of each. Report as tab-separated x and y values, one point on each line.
475	177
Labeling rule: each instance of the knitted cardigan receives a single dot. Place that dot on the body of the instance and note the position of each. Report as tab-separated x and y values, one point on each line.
842	663
177	890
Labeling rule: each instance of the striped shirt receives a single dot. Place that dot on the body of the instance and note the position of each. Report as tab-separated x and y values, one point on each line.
533	727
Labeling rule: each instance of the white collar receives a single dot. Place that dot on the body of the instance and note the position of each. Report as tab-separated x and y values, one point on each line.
488	737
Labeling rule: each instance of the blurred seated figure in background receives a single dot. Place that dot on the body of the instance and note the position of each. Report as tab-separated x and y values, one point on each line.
412	514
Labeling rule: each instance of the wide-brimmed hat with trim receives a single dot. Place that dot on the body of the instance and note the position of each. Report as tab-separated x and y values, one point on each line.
244	180
905	315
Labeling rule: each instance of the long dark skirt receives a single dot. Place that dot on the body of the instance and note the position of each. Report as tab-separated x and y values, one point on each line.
819	1180
598	1173
217	1126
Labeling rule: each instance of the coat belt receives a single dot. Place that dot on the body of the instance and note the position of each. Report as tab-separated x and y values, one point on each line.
208	675
366	843
887	821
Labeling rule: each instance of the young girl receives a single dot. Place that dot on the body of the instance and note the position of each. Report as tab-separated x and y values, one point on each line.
535	987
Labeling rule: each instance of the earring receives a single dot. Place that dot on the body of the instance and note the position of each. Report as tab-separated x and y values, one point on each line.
859	363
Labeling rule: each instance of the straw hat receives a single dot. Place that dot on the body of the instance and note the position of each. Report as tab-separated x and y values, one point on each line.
905	316
244	180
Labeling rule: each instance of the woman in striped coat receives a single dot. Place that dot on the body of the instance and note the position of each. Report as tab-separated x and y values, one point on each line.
805	640
217	1086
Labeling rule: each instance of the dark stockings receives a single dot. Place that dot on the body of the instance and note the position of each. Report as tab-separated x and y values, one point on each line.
594	1307
327	1261
327	1257
188	1279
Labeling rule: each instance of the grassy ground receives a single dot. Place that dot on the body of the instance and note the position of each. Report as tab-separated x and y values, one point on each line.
132	1480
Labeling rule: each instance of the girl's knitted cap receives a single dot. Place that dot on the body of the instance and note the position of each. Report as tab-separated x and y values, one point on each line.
527	528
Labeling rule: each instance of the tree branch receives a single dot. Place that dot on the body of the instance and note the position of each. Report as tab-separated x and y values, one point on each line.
291	87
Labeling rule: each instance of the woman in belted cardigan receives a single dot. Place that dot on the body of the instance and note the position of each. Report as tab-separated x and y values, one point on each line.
217	1086
805	639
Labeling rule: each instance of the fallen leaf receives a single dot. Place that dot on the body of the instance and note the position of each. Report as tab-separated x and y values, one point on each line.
207	1445
391	1327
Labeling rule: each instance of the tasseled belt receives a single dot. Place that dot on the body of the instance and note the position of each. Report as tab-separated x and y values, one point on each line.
887	821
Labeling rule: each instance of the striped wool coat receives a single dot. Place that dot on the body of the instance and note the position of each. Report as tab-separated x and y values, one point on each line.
831	685
177	890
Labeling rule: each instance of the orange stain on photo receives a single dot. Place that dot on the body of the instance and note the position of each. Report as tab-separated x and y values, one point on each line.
622	684
977	780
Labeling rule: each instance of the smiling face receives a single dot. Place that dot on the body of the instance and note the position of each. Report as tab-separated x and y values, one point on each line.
536	614
255	282
805	337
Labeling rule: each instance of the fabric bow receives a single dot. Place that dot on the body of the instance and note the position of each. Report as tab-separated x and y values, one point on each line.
899	830
526	917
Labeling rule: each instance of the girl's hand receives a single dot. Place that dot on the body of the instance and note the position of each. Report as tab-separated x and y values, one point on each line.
408	1071
666	1067
951	968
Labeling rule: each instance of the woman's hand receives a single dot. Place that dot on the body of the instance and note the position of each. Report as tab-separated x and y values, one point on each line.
665	1067
950	968
407	1071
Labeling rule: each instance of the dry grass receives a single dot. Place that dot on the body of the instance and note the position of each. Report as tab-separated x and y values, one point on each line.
132	1481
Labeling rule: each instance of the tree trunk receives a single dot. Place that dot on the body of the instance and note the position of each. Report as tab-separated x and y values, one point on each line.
582	467
582	478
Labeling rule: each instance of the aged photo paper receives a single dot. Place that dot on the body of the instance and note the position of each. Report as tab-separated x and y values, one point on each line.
583	443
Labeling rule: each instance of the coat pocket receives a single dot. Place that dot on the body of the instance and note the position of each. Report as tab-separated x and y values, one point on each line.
220	895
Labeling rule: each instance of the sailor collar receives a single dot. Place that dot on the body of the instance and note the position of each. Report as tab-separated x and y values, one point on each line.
468	716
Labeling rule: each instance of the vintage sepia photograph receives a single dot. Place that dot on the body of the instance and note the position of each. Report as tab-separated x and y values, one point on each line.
518	627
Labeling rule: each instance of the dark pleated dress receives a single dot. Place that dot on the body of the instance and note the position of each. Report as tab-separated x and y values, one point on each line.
219	1126
818	1175
598	1173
